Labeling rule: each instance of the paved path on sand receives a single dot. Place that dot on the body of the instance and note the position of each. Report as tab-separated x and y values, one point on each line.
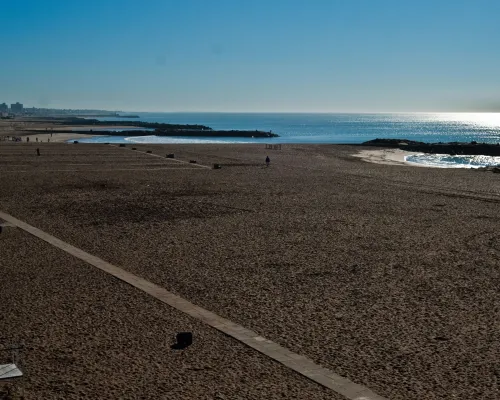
296	362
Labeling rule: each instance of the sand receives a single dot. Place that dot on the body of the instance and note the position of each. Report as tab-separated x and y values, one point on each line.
24	128
389	157
87	335
386	274
56	137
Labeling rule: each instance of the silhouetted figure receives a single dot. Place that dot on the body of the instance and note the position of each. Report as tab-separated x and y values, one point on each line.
28	139
268	161
37	139
37	151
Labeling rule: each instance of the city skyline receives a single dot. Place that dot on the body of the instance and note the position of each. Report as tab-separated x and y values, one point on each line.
321	56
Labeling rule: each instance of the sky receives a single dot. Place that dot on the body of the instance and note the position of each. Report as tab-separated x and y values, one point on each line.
252	55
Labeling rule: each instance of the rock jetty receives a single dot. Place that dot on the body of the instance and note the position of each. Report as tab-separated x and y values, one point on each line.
452	148
161	129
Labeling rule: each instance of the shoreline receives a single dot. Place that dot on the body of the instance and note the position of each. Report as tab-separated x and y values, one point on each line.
56	137
372	151
390	157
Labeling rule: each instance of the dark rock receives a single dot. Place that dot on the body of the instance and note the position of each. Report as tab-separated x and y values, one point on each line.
184	339
170	156
391	142
217	166
453	148
192	161
149	151
161	129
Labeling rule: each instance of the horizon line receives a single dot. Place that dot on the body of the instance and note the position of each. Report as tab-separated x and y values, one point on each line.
305	112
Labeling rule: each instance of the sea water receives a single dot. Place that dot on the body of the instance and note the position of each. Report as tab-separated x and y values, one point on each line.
336	128
449	161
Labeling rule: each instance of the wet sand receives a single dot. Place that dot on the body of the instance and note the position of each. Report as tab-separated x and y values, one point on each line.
386	274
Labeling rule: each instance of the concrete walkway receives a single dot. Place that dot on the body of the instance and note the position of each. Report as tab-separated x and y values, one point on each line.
294	361
163	157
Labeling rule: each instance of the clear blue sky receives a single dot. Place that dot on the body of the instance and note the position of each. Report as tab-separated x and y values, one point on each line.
252	55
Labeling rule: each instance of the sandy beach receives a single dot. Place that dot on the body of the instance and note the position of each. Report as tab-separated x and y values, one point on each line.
56	137
389	157
385	274
46	131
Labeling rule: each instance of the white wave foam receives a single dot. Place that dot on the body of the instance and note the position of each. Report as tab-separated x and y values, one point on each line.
177	140
449	161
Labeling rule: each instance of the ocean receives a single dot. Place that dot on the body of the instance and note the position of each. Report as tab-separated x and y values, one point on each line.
336	128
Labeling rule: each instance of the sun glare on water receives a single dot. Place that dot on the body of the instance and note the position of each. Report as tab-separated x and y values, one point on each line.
487	120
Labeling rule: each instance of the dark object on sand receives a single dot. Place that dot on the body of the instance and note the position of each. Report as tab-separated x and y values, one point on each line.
184	339
38	152
149	151
494	169
192	161
217	166
75	142
268	161
122	145
170	155
134	148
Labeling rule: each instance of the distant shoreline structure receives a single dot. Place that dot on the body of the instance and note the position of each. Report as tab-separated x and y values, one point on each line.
160	129
452	148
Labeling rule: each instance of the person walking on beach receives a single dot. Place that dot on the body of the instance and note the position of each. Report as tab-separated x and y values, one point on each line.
268	161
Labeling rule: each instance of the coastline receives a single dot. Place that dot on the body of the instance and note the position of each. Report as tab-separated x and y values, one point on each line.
378	151
56	137
389	157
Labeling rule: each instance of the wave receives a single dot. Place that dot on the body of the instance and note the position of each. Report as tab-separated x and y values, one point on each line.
449	161
178	140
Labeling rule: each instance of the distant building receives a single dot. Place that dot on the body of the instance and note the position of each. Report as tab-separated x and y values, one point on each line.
16	108
4	108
